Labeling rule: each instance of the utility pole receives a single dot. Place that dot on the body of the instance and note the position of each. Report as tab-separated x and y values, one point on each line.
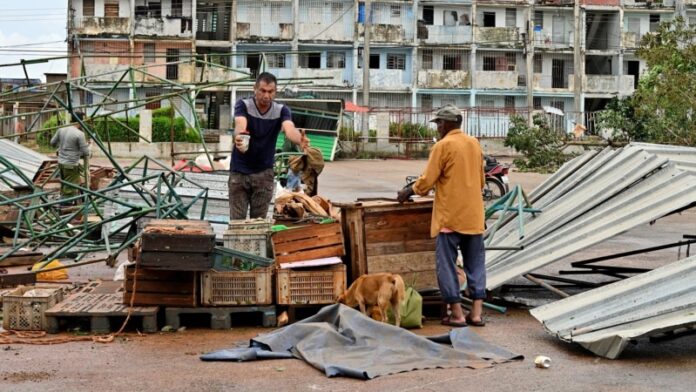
529	51
366	70
578	66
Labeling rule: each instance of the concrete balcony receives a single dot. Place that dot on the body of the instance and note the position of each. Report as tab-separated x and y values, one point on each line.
265	31
448	35
651	4
606	84
505	80
167	26
386	79
630	40
96	72
334	77
545	39
97	25
497	36
214	74
386	33
341	32
550	84
444	79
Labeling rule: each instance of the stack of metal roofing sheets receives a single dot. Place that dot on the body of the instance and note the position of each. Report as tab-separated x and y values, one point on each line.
26	160
592	198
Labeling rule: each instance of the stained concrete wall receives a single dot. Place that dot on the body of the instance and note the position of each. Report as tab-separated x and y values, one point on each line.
496	79
336	75
171	27
444	79
449	34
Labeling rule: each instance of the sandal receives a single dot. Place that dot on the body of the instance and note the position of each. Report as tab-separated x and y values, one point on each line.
457	324
473	323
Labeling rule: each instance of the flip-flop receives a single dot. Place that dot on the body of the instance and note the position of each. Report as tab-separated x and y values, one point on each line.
457	324
473	323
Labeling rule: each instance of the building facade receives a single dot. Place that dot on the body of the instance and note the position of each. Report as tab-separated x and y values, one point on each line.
493	56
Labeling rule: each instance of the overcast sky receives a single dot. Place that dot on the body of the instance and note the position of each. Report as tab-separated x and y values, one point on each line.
32	29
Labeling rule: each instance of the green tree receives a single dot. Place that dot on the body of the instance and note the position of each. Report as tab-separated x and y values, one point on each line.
540	145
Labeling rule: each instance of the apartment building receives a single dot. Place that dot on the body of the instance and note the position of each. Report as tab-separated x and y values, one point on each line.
498	56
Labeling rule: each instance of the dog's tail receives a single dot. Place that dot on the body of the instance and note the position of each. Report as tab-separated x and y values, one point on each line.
399	287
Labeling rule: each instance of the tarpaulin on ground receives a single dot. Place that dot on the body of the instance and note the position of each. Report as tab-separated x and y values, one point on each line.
341	341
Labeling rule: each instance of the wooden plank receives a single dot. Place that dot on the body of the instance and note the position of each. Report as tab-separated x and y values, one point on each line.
303	232
387	248
382	205
184	300
160	287
397	219
331	251
177	261
419	266
178	243
178	222
403	234
306	244
22	258
161	275
354	234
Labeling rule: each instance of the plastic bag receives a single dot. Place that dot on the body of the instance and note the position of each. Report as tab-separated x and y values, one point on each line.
411	310
60	274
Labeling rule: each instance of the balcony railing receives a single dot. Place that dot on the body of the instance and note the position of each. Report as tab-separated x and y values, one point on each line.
448	35
497	36
280	31
168	26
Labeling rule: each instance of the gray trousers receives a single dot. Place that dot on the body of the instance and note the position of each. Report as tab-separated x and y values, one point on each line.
474	255
251	192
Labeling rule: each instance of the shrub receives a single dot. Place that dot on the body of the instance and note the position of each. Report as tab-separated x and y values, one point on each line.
540	145
411	131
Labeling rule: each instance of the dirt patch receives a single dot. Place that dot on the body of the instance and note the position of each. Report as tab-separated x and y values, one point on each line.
20	377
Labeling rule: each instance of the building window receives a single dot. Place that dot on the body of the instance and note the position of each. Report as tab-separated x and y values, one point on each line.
509	102
374	61
152	105
275	60
489	63
450	18
427	59
538	63
448	101
310	60
489	19
336	10
172	69
177	8
428	15
511	59
149	52
336	60
560	105
488	103
452	62
111	8
395	11
536	103
654	22
539	19
396	61
88	8
510	17
427	102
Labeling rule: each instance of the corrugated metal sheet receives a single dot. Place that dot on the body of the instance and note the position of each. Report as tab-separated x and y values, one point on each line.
606	319
593	200
26	160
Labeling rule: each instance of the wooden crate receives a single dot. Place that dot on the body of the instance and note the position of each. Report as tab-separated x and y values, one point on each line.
159	287
385	236
310	286
242	288
309	242
178	245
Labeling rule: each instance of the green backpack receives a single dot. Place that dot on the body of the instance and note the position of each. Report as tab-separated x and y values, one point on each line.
411	310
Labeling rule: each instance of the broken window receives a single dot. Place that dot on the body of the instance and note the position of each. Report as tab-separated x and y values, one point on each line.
450	18
149	53
452	62
489	19
111	8
310	60
88	8
427	59
654	22
428	14
396	61
336	60
177	8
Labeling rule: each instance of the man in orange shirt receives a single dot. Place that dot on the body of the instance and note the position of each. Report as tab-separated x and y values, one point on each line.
455	169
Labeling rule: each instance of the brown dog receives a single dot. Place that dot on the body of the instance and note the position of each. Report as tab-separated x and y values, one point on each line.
377	291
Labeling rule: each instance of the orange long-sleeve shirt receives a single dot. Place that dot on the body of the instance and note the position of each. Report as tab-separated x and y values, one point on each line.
455	168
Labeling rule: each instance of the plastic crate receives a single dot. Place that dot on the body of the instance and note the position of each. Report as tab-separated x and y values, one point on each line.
28	313
310	287
220	288
250	236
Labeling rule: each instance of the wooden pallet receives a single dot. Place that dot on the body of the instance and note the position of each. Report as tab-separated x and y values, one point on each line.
100	309
221	317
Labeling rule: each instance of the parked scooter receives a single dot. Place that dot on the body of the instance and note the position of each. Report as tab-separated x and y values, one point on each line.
497	183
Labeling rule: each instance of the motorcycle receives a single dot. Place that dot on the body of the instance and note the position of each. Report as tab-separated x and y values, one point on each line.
497	183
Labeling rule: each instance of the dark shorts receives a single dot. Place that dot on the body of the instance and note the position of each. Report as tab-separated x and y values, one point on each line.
252	193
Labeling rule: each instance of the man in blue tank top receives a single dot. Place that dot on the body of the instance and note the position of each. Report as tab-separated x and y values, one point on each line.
251	183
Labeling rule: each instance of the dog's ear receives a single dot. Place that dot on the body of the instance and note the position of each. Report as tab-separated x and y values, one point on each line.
341	298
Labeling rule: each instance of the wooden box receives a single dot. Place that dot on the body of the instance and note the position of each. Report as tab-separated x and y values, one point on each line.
385	236
179	245
158	287
315	241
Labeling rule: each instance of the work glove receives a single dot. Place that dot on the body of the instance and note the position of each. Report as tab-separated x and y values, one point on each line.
405	194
